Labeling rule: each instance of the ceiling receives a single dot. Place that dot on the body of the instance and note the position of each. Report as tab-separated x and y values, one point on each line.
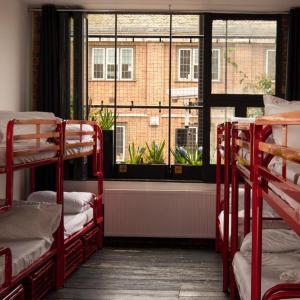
266	6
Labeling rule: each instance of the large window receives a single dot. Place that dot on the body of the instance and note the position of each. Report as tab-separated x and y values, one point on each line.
103	63
170	87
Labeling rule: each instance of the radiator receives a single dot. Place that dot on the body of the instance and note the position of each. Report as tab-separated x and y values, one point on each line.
156	209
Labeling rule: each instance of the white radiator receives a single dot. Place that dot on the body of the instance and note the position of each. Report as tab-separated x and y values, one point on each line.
156	209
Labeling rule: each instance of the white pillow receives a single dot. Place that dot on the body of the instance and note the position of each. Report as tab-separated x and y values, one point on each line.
275	105
30	221
5	117
75	128
274	240
74	202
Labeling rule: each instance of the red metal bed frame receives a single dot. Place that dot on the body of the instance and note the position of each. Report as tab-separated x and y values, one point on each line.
261	190
11	288
81	244
57	263
222	196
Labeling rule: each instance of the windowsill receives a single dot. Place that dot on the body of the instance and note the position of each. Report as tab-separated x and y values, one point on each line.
112	80
186	81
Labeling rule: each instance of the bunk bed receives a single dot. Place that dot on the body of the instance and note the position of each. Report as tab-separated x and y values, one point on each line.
83	213
270	258
31	237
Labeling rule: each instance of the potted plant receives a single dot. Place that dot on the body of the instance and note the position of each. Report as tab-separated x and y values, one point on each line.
188	163
105	118
144	162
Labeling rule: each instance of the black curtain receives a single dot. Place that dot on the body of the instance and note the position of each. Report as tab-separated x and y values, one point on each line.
53	78
293	64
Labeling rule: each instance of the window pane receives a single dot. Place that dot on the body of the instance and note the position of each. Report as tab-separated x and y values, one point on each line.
185	64
243	46
143	126
271	64
186	137
215	64
126	61
98	59
120	142
218	115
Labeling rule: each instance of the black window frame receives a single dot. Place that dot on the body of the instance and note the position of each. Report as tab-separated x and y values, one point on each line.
239	101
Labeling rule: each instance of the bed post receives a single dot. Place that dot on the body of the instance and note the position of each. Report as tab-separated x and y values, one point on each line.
9	162
60	268
234	210
218	187
256	219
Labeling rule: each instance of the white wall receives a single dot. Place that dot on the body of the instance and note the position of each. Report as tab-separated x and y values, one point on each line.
14	65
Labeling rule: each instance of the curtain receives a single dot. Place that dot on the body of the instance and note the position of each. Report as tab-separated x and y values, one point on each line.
53	80
293	63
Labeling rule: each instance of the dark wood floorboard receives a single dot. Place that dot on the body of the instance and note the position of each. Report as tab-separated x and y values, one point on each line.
146	274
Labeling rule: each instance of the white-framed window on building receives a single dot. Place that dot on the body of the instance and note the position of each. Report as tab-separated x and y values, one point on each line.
271	64
188	64
186	137
215	64
103	64
98	62
120	142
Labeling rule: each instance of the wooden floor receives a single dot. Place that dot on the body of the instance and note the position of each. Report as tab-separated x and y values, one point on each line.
146	274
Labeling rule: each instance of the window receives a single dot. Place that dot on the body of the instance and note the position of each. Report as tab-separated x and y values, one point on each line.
98	58
120	143
186	137
215	64
270	64
103	63
188	64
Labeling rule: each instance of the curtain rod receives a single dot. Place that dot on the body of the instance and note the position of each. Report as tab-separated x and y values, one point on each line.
163	11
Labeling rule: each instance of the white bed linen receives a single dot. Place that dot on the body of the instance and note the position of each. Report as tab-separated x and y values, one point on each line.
77	150
24	252
29	158
75	222
273	265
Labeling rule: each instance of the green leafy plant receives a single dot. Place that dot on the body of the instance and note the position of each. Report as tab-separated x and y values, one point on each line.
155	153
188	156
135	155
179	155
105	118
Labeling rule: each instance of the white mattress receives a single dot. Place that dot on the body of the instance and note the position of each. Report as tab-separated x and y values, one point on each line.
24	253
26	159
76	150
270	224
74	223
273	264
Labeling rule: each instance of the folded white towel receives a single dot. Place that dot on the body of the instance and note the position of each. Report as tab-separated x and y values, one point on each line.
290	276
74	202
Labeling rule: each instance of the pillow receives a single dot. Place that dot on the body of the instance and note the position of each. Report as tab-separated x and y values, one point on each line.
242	120
275	105
274	240
76	128
5	117
74	202
30	221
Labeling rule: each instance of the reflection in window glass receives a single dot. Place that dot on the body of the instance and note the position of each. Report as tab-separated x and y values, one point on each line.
248	52
253	112
218	115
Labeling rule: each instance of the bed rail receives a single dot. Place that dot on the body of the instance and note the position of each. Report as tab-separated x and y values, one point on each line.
265	180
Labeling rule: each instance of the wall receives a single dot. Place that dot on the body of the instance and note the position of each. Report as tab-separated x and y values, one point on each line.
14	62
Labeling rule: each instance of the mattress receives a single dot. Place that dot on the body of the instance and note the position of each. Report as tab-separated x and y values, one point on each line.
77	150
24	252
273	265
29	158
76	222
270	224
